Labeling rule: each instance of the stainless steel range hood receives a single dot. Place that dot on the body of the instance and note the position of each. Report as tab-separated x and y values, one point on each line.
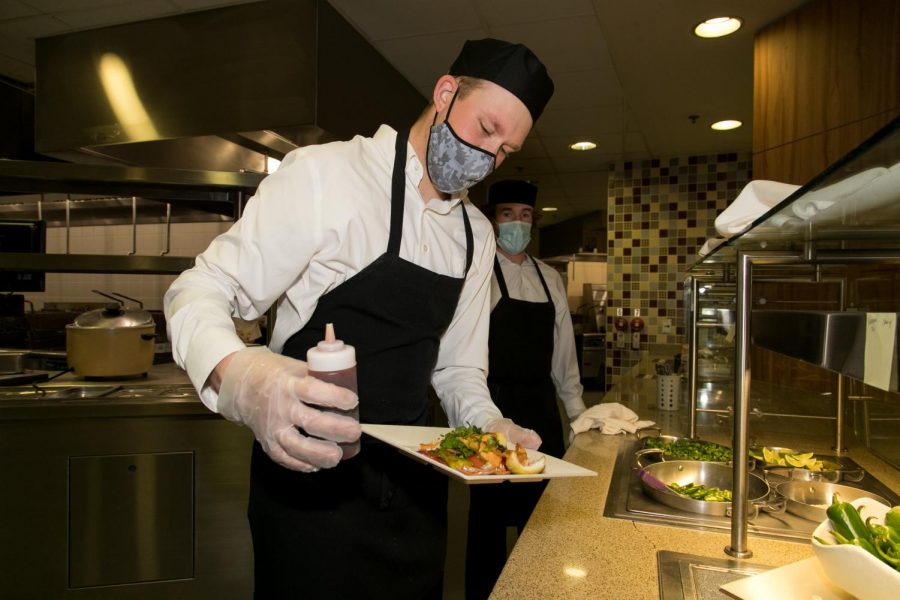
218	89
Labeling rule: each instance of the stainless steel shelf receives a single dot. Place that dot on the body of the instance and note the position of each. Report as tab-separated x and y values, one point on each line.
95	263
853	205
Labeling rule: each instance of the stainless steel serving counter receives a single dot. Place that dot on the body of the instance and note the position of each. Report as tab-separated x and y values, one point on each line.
571	549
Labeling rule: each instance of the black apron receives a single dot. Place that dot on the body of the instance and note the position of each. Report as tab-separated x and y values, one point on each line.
521	357
375	525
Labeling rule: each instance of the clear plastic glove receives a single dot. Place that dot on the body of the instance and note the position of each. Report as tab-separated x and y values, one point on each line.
515	434
273	396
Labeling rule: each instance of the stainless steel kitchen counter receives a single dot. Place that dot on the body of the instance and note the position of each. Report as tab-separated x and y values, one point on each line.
136	494
164	391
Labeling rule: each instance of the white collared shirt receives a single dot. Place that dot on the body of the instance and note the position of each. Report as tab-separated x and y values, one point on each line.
522	283
313	224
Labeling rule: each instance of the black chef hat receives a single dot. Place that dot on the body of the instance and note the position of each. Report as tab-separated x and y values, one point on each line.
512	191
511	66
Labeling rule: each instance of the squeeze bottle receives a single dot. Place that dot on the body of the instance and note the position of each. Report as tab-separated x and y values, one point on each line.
334	361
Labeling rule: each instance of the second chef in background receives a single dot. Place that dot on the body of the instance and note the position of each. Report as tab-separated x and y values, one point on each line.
532	360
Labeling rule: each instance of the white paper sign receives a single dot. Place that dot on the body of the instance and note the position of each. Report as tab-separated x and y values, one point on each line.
881	346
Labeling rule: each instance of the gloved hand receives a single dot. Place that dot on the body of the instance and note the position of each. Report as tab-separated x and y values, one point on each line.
273	395
515	434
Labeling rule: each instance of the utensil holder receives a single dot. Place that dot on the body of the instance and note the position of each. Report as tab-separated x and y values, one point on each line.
668	392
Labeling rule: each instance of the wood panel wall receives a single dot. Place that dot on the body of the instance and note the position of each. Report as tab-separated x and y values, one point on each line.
826	77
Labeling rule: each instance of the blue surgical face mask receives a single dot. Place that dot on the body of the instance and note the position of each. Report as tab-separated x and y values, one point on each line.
513	236
454	164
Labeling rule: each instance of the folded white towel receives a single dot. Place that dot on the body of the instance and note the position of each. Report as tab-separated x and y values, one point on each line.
710	245
755	199
610	418
821	199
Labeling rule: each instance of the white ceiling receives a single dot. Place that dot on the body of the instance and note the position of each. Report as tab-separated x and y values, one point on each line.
628	73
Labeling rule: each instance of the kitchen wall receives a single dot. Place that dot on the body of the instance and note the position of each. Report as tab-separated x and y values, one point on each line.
660	212
187	239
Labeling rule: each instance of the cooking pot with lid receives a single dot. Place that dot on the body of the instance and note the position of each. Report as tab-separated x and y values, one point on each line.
111	342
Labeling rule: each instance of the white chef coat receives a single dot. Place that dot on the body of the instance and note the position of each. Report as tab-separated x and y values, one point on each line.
313	224
522	283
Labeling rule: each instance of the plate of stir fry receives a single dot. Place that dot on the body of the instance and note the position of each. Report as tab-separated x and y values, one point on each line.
472	455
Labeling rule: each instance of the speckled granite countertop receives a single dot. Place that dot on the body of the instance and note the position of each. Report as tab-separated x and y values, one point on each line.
570	550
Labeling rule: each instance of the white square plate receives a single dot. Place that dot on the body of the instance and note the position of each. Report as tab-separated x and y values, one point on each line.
407	438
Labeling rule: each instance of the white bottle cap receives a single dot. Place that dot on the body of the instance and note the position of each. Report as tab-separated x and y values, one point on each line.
330	354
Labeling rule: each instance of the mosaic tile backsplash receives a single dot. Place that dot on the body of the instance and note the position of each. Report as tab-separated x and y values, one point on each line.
660	212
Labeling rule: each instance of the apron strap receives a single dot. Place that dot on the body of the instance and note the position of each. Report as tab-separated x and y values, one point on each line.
398	192
398	196
470	240
501	283
541	277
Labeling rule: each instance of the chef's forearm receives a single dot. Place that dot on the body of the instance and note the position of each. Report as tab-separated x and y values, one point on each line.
464	396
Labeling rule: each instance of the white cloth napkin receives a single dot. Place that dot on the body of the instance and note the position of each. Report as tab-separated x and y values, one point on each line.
710	245
823	198
755	199
610	418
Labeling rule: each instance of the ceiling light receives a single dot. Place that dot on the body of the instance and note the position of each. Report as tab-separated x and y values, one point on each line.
726	125
583	146
717	27
549	209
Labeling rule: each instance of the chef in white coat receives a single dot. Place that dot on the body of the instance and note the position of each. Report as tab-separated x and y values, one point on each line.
532	362
377	236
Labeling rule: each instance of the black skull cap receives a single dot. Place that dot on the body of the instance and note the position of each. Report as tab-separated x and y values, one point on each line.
512	191
511	66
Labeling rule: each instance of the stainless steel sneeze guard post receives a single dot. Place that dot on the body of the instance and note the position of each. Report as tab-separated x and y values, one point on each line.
741	482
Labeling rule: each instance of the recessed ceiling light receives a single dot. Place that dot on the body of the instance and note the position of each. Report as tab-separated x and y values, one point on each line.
726	125
583	146
549	209
717	27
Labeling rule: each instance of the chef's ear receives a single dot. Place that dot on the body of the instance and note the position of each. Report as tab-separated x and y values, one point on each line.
443	91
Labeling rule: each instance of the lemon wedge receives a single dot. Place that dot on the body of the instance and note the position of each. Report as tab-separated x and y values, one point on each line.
795	460
518	462
770	456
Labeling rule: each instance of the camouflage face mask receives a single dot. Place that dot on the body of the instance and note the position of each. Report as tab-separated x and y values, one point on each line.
454	164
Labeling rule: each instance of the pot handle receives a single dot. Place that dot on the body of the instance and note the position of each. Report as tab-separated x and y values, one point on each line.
640	454
113	298
774	503
135	300
148	336
640	433
852	475
752	513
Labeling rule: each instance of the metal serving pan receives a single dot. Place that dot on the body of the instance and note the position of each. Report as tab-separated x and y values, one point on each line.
832	471
809	499
669	439
710	474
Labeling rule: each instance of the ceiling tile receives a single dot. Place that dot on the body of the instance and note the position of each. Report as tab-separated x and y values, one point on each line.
32	27
388	19
16	69
583	161
498	13
583	123
574	44
21	49
423	59
581	89
526	167
192	5
14	9
117	14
